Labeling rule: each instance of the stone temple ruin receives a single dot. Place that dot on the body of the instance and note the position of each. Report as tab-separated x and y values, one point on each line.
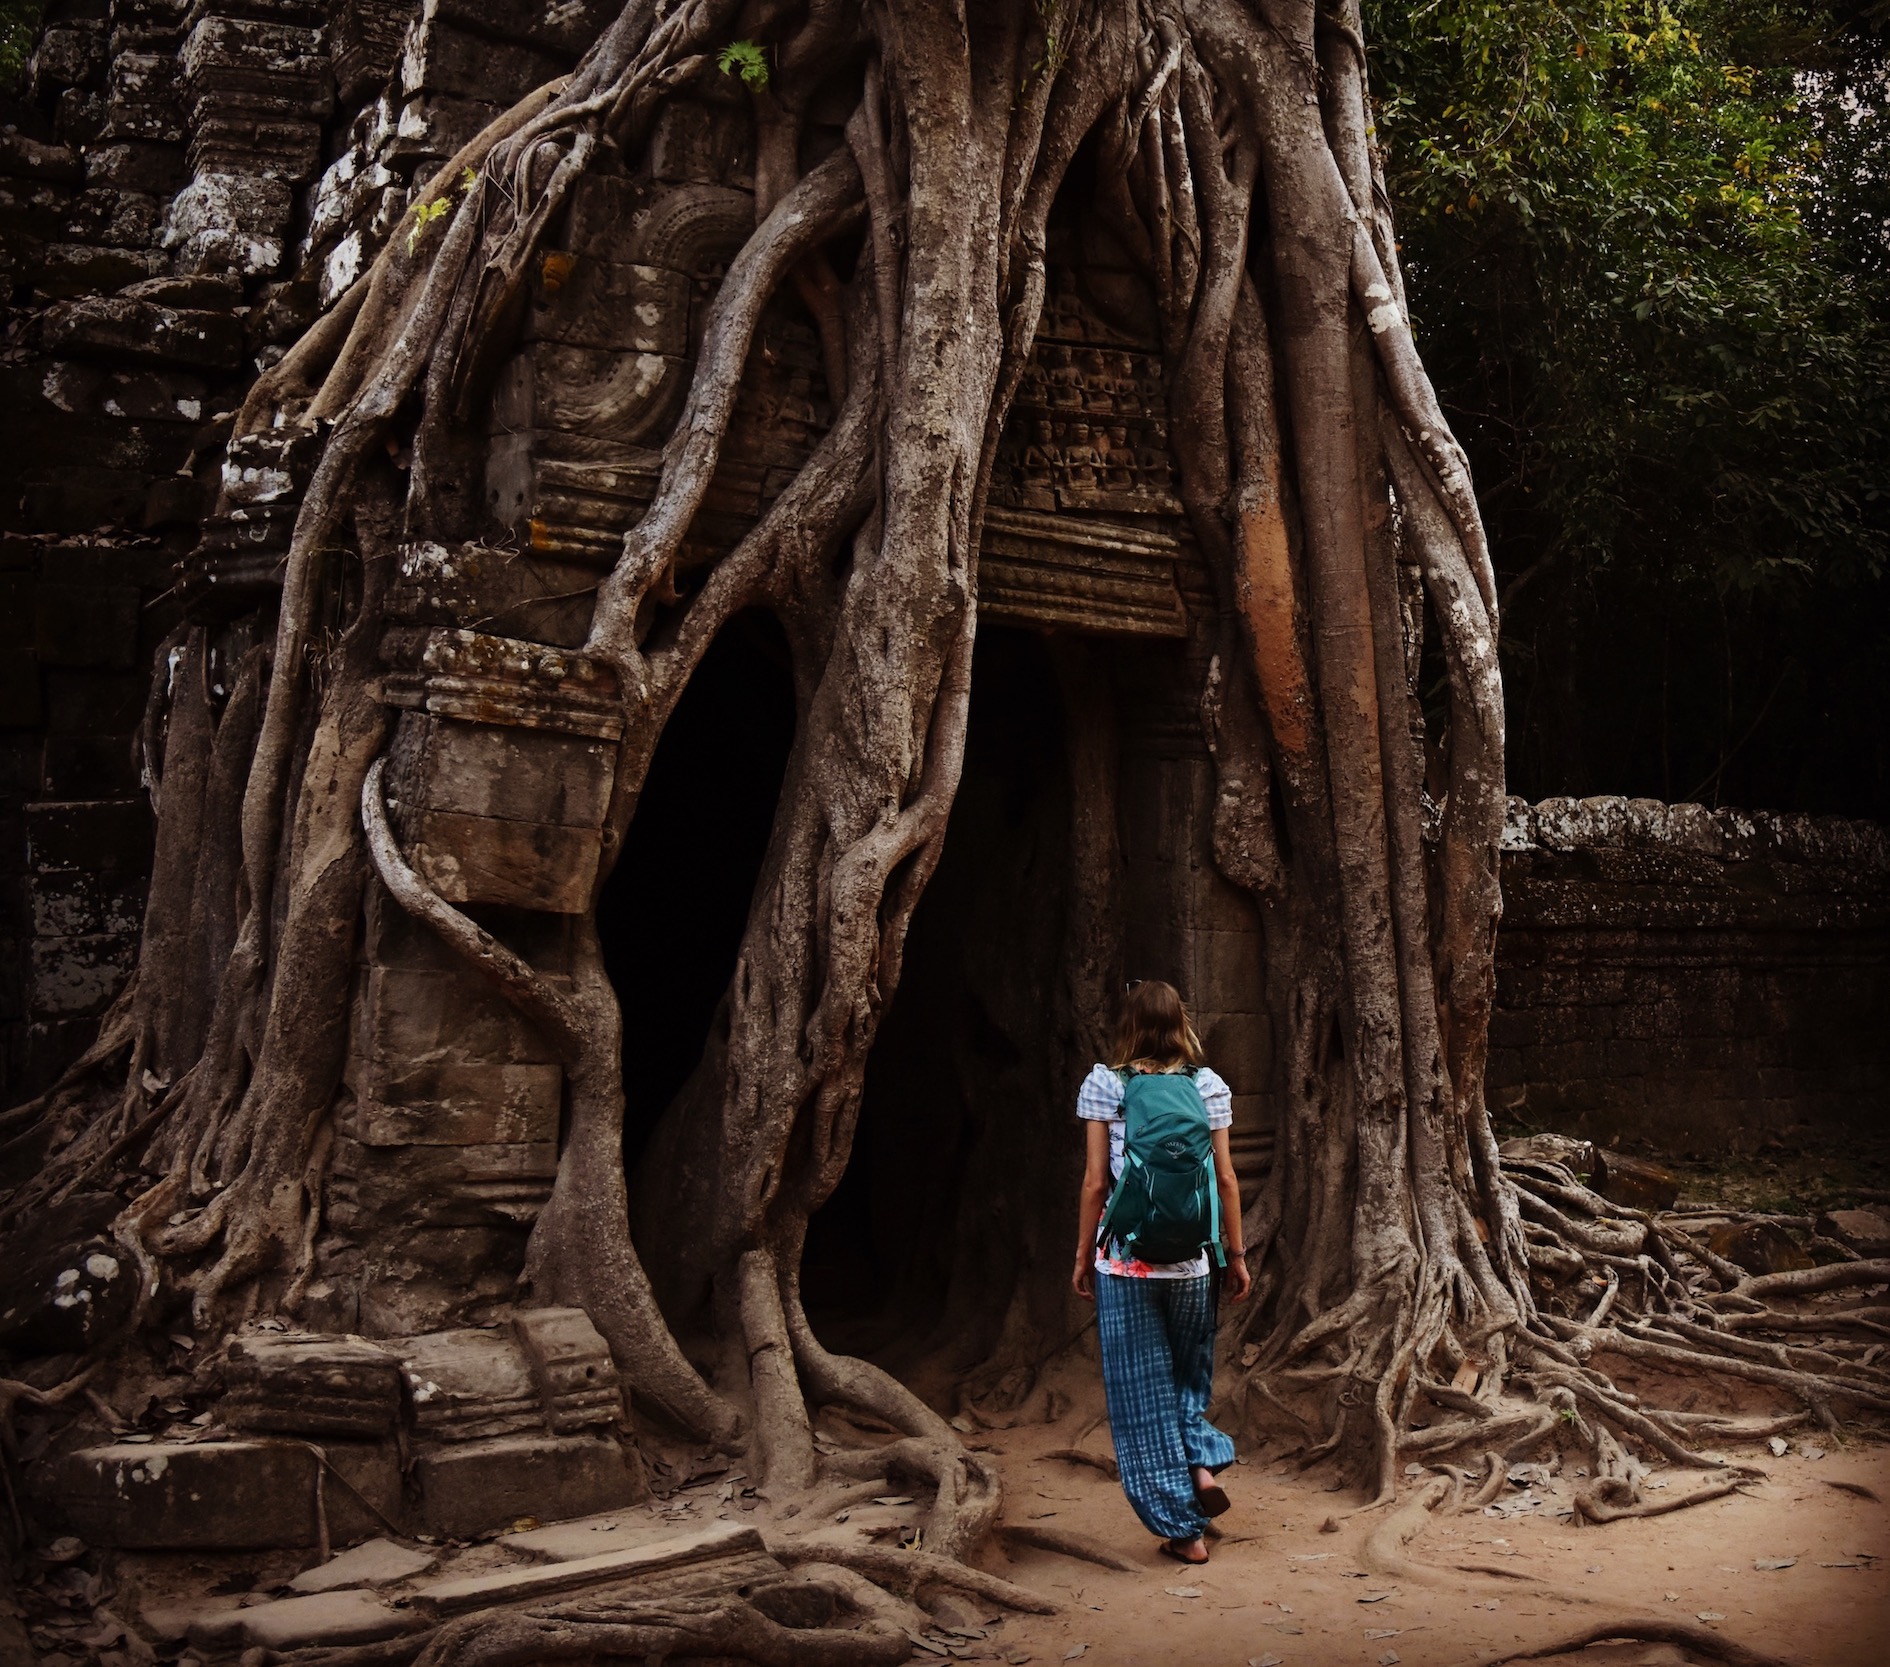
186	187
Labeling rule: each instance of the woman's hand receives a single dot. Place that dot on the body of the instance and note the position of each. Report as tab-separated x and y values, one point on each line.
1239	1279
1083	1280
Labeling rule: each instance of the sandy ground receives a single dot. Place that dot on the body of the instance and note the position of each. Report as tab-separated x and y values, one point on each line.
1278	1590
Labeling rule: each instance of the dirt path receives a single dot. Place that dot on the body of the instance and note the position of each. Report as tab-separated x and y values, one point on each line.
1279	1590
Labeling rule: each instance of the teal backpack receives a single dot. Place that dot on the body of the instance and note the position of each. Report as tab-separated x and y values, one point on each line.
1166	1207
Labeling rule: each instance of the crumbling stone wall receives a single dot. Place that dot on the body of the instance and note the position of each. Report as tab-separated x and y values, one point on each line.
184	186
1693	978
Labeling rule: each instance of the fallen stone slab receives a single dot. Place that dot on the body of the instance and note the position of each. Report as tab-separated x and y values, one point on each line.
324	1619
735	1546
1758	1247
1635	1182
592	1536
170	1623
377	1563
467	1487
215	1495
1866	1231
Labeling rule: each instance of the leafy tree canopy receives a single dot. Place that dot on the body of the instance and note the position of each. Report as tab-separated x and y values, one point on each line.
1649	255
1647	248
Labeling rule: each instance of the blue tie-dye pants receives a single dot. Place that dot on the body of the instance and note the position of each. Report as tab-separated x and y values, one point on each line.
1158	1369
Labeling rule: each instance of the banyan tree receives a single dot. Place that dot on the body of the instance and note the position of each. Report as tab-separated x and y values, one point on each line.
994	458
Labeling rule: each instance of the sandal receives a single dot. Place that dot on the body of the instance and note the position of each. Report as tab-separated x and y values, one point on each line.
1213	1500
1172	1548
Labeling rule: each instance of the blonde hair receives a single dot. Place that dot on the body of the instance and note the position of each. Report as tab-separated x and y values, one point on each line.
1152	1030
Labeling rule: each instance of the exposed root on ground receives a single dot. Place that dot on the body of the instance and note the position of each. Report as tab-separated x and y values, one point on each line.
1653	1630
1384	1552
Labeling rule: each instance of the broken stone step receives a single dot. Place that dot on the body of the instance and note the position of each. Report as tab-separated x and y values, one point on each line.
377	1563
216	1495
592	1536
724	1543
467	1487
326	1618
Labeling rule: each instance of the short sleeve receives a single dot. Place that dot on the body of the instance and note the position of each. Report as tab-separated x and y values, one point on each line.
1217	1097
1099	1100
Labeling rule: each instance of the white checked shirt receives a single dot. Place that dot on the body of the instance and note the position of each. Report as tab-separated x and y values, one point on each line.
1099	1100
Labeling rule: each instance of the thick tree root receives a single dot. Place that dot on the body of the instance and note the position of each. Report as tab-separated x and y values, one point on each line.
599	1629
1066	1544
904	1572
1384	1553
1651	1631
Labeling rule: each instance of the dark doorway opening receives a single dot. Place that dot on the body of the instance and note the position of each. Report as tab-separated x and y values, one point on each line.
672	914
922	1236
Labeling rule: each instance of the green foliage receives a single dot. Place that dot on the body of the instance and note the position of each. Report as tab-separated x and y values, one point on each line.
19	23
1649	271
746	59
424	214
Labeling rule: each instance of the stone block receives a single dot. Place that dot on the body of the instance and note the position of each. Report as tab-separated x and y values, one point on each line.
213	1496
86	626
74	269
142	100
92	703
581	301
1238	1044
20	704
629	399
142	332
137	165
364	43
694	142
519	594
704	1546
35	206
418	1279
373	1563
24	158
76	977
442	1186
310	1384
1576	1155
324	1620
506	773
432	127
68	54
56	1297
408	1012
469	1487
113	218
1228	971
570	1366
1866	1231
525	865
100	835
564	30
1758	1247
1636	1182
565	1542
552	1371
471	1104
230	222
443	59
72	902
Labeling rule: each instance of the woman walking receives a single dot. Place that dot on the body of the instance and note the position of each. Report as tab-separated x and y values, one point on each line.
1159	1204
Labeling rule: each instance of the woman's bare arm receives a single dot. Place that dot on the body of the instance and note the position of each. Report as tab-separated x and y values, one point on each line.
1089	1209
1238	1278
